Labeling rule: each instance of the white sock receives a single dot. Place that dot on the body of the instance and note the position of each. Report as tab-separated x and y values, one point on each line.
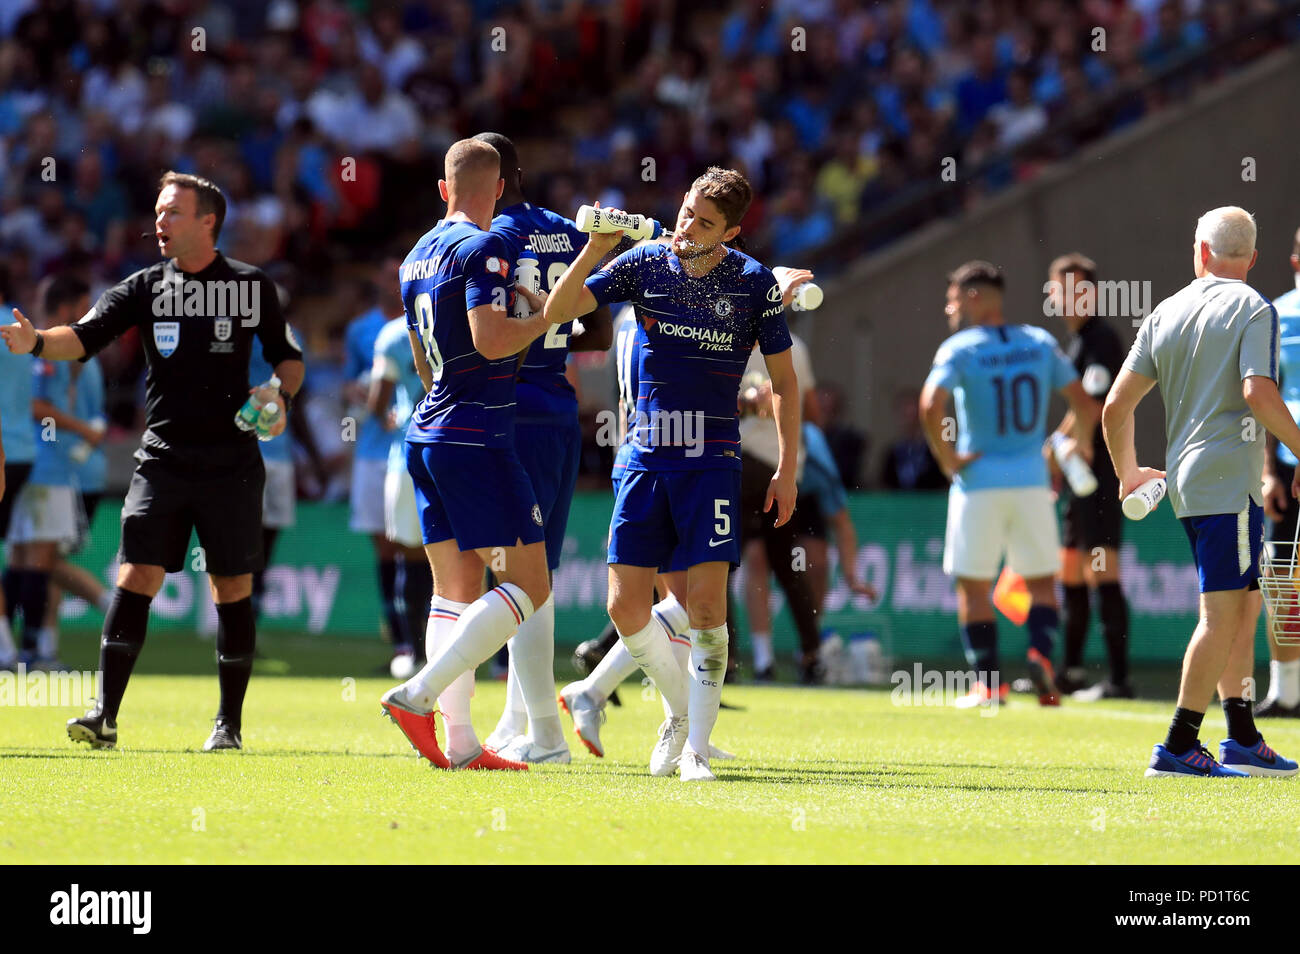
610	672
763	657
514	717
651	650
709	666
532	656
483	628
681	647
672	616
8	651
47	642
444	614
1284	682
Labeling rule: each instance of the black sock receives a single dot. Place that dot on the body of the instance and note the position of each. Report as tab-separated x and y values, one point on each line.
388	599
1184	731
1241	721
9	582
124	630
236	639
1075	624
259	578
417	594
981	643
35	596
1114	626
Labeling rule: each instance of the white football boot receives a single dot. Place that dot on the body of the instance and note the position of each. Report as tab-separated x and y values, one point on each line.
668	750
695	767
587	715
524	749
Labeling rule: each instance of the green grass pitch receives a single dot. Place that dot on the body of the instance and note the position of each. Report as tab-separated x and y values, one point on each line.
823	776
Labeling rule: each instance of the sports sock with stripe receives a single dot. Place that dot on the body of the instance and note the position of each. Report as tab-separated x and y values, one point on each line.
708	667
483	628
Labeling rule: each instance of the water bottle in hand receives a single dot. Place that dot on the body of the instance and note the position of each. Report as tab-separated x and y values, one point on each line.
247	418
267	418
1082	480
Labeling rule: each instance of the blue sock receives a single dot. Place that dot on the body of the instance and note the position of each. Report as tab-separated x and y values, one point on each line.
1043	624
981	643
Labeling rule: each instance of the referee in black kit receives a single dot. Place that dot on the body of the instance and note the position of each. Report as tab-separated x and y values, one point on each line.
196	312
1093	524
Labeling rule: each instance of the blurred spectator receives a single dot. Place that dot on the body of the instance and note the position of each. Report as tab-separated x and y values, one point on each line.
848	444
908	463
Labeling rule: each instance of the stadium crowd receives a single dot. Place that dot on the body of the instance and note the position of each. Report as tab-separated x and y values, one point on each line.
320	119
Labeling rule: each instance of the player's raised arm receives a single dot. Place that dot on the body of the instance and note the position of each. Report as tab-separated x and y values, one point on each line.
787	410
56	344
570	297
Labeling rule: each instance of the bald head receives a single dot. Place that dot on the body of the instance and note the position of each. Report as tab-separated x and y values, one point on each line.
472	167
1229	231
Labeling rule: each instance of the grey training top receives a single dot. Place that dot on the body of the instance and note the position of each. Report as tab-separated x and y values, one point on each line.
1200	344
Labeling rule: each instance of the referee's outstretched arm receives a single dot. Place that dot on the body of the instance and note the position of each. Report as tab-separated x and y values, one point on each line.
61	344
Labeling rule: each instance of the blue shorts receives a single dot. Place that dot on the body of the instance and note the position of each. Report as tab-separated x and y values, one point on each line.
1227	548
480	496
676	519
549	453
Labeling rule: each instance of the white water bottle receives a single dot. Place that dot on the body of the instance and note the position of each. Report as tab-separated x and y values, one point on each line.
246	419
528	273
1143	500
1082	480
635	227
82	450
807	297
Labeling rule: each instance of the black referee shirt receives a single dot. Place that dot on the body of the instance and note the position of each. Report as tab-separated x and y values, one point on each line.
1098	356
197	334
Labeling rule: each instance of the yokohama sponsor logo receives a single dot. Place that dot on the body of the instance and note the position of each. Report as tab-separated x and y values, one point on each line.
706	335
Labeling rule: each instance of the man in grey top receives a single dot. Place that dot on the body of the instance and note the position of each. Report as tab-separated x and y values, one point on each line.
1212	347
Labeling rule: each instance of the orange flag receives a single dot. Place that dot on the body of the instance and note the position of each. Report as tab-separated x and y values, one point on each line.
1011	596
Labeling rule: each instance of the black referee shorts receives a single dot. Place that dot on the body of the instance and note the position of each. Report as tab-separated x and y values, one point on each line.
222	502
1096	520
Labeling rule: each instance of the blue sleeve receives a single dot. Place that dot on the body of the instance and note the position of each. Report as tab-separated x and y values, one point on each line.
617	280
486	267
1062	369
946	371
42	380
773	333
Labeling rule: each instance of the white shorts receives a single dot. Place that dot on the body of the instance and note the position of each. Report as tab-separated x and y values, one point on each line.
367	500
401	517
986	525
45	513
279	495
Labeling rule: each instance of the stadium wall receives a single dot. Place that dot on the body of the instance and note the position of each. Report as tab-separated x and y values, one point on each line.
1130	202
322	581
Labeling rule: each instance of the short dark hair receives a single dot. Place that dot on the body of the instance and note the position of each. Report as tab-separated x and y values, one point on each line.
510	170
209	199
63	289
728	190
1073	262
976	273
